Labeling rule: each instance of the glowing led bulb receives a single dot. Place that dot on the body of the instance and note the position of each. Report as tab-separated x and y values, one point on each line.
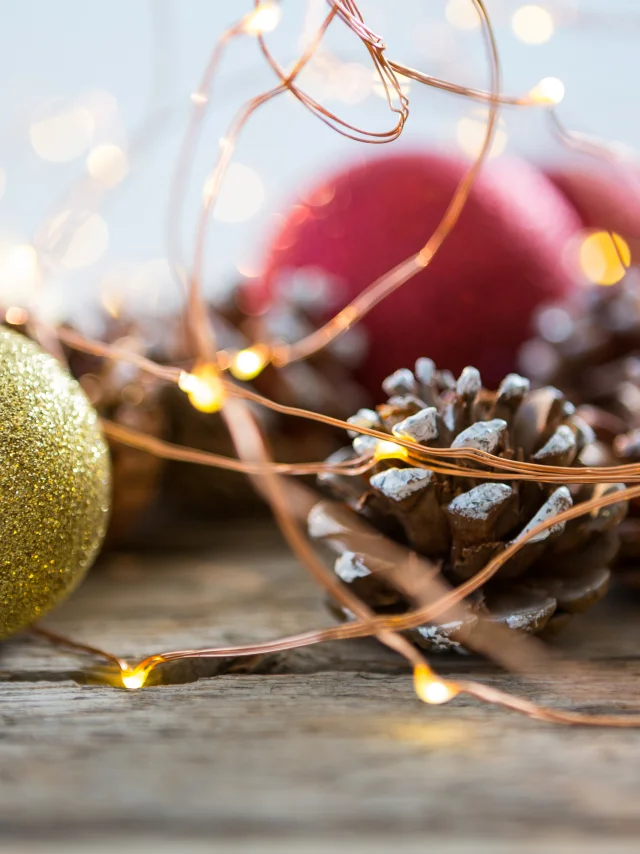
134	678
549	91
247	364
263	19
203	387
385	450
430	689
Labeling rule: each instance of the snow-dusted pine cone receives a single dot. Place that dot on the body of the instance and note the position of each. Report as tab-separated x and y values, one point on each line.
461	523
590	348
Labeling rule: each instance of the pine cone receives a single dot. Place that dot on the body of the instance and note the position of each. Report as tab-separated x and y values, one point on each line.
461	523
590	349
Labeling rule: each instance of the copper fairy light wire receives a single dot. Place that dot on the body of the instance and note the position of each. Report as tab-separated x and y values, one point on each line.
196	310
417	454
375	46
116	353
247	438
179	182
169	451
286	353
428	685
255	460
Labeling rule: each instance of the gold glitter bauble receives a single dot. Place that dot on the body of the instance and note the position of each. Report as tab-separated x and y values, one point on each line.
54	483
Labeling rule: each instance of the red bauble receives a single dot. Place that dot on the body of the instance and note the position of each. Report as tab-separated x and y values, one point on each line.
606	196
473	304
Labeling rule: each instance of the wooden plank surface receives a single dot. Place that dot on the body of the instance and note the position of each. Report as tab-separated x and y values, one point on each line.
326	744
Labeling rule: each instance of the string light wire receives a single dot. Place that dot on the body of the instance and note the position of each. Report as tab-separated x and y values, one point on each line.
246	434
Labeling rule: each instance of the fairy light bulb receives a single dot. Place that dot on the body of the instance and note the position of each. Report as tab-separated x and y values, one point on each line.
134	678
430	688
247	364
204	387
264	19
549	91
385	450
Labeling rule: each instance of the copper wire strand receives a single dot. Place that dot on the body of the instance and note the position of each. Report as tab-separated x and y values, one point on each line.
375	47
76	646
419	455
249	443
169	451
349	468
196	312
77	341
284	354
185	158
516	470
364	628
243	418
414	618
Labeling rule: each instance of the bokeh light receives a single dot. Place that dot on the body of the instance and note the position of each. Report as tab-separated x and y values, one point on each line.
247	364
471	132
241	194
264	18
87	244
532	24
555	323
249	268
107	164
19	272
204	387
147	289
350	82
62	136
604	257
462	14
550	90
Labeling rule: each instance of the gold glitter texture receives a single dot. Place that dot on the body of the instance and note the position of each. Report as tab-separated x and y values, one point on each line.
54	483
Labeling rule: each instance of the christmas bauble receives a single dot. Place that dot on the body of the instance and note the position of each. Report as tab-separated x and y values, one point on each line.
475	301
54	483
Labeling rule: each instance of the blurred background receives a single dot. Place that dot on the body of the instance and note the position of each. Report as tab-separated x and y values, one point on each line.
103	91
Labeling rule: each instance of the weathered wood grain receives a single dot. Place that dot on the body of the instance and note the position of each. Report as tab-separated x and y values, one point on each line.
326	744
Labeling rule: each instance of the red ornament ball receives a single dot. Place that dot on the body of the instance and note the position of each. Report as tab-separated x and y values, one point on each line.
474	303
